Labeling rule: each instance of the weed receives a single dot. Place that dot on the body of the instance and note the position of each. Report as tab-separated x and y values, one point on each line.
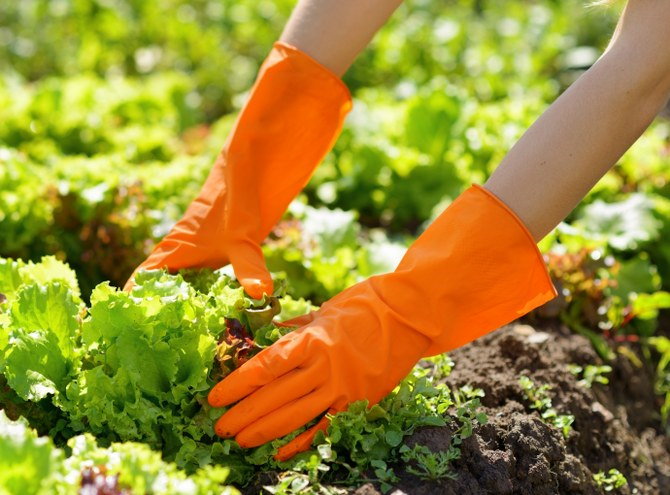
434	466
304	477
591	374
611	481
541	401
428	465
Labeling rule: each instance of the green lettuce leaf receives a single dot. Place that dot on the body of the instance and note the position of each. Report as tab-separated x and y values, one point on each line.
31	465
50	269
48	309
35	366
27	463
40	354
10	278
150	352
14	273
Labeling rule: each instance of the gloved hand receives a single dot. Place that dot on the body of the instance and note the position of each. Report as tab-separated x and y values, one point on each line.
292	117
474	269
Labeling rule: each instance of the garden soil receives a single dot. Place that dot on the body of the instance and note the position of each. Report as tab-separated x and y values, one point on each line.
616	425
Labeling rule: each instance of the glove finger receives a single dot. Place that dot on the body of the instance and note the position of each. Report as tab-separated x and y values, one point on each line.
168	254
173	254
250	269
302	442
284	420
269	364
298	321
271	397
130	283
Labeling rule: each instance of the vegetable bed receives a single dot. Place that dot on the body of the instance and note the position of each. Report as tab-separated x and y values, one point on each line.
119	387
136	367
111	114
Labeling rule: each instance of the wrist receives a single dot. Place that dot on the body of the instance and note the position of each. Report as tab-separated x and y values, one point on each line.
475	268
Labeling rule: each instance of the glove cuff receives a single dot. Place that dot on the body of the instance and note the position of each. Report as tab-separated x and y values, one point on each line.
282	49
474	269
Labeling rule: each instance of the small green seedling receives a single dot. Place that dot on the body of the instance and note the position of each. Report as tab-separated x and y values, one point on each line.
441	366
434	466
562	421
591	374
467	401
540	400
304	478
611	481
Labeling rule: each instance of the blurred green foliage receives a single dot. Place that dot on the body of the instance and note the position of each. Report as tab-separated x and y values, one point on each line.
219	44
484	45
112	112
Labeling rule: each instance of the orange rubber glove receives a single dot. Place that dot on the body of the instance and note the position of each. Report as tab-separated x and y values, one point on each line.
474	269
292	117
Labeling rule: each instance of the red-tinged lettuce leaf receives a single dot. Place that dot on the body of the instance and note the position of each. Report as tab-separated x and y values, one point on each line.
235	347
141	470
32	465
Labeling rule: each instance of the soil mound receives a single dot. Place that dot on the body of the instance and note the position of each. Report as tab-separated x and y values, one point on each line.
616	425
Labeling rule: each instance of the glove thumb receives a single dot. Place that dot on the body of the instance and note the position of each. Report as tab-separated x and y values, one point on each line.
130	283
250	269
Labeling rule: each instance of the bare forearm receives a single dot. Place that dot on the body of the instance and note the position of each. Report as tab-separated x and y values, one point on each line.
334	32
584	133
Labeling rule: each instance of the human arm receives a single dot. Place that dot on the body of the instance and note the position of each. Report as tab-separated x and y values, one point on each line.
475	268
587	129
294	113
334	32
